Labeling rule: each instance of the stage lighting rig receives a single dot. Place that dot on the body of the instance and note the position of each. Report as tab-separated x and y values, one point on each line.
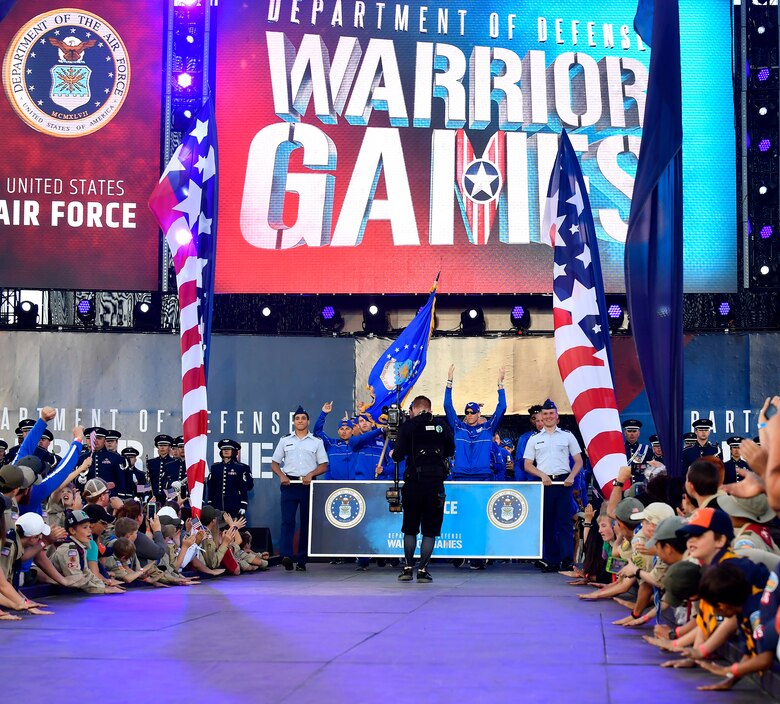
520	317
375	319
472	322
26	315
86	311
330	320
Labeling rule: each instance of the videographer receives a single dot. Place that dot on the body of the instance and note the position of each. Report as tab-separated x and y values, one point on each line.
426	444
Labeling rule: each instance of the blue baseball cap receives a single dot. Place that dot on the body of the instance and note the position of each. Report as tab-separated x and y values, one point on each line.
473	407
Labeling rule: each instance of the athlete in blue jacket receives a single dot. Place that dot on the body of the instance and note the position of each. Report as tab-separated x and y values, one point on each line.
367	448
341	465
473	434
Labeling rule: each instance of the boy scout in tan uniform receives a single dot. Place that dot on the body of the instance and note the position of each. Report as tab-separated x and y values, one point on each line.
211	553
70	558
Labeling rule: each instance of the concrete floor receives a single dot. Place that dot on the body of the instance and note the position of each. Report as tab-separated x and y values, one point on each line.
336	635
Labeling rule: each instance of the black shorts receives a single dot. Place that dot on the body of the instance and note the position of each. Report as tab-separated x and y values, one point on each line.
423	504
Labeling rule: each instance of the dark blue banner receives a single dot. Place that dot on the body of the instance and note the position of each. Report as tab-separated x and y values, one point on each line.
481	519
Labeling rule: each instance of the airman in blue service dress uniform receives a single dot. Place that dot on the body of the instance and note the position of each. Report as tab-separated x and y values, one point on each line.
106	465
134	476
702	447
21	431
297	459
176	469
229	481
154	466
637	454
655	446
736	462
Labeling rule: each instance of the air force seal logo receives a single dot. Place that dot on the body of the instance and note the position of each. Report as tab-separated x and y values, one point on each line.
345	508
66	73
507	509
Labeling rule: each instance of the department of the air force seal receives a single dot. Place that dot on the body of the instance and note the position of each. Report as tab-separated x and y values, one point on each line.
66	73
507	509
345	508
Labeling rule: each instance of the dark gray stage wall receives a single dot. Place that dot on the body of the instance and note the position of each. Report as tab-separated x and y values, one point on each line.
132	383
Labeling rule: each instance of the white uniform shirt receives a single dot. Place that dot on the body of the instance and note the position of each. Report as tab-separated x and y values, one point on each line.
551	451
299	456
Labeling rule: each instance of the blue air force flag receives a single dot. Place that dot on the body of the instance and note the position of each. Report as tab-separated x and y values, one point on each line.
403	361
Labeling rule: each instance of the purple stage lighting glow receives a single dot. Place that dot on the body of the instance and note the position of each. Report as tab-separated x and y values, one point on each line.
614	311
766	232
764	145
328	312
184	80
518	312
84	306
724	308
763	74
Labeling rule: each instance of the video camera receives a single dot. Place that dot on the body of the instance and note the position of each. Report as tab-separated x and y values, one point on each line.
396	417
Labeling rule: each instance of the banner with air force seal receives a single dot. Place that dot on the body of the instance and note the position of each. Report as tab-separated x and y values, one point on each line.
481	519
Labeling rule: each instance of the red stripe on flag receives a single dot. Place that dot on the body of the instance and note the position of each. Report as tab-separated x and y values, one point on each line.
196	424
576	357
591	399
193	379
190	338
561	318
606	443
188	293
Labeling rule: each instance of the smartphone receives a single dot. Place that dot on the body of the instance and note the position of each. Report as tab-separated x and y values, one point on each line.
771	409
151	509
615	564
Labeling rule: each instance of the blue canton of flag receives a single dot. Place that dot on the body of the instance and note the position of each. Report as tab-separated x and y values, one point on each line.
582	344
403	361
187	197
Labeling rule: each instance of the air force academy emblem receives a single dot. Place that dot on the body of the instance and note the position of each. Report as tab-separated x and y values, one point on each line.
66	73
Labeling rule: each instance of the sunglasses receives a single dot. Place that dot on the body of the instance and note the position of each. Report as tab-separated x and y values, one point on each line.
471	413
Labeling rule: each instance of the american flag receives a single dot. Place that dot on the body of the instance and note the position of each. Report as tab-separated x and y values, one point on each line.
579	312
184	203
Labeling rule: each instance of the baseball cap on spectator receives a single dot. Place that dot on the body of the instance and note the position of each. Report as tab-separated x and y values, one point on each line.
655	513
666	530
506	442
756	508
75	518
14	477
472	407
704	519
168	521
32	462
98	514
208	514
32	524
94	487
627	509
681	582
167	512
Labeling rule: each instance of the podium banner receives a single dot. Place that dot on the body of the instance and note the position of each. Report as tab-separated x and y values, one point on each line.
481	520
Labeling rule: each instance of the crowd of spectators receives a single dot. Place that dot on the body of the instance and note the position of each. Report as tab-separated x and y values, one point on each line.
82	538
700	569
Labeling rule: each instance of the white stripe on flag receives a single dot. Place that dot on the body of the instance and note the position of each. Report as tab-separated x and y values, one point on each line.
586	378
193	401
594	422
191	359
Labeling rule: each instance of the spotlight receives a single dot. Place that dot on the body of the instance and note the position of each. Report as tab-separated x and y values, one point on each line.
615	316
375	320
762	190
724	308
762	111
520	318
268	321
766	232
472	321
146	317
85	311
26	315
761	29
184	80
190	39
763	74
764	270
330	320
765	145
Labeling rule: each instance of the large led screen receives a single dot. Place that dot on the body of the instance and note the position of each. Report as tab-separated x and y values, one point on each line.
80	118
364	146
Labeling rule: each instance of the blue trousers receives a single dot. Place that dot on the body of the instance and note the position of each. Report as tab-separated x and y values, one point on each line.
557	531
294	496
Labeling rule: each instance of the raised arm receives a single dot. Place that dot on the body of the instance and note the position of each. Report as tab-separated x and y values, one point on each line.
449	409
